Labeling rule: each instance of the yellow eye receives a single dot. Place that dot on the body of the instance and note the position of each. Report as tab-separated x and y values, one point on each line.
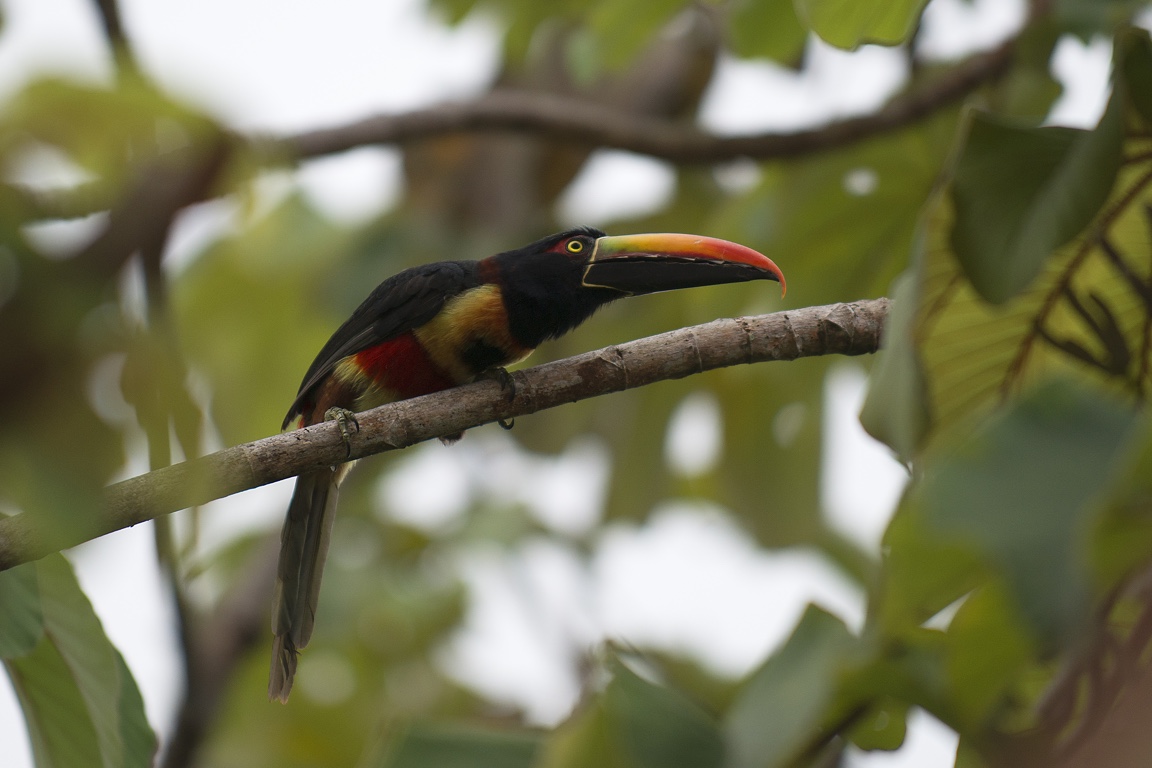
575	246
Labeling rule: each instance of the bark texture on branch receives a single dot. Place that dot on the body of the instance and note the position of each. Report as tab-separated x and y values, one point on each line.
837	329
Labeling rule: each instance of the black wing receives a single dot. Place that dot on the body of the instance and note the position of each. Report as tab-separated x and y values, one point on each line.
403	302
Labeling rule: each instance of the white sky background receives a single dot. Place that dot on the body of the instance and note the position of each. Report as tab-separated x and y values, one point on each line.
285	65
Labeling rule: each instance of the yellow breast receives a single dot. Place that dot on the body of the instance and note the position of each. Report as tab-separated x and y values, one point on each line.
473	319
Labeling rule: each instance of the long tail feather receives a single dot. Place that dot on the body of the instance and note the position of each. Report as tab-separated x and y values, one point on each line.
303	549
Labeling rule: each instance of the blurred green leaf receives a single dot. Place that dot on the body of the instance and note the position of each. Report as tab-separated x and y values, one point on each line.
799	213
967	756
714	693
1082	315
883	727
64	329
453	10
623	28
852	23
56	452
396	608
253	310
768	29
785	699
896	410
839	224
99	127
154	381
140	743
635	724
1028	90
442	746
1132	52
988	649
1025	491
60	727
21	618
1021	193
922	574
769	472
1123	539
79	700
658	727
1087	18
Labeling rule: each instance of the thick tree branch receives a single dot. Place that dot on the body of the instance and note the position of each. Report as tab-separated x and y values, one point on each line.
583	122
837	329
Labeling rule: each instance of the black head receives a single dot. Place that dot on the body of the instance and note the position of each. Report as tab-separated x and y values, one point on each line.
542	286
554	284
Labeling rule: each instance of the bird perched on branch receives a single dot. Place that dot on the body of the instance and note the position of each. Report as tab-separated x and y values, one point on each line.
440	325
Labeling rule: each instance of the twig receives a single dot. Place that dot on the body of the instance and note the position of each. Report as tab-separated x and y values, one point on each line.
113	24
846	329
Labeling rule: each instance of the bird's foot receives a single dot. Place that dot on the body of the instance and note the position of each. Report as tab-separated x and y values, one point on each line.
346	422
505	380
508	386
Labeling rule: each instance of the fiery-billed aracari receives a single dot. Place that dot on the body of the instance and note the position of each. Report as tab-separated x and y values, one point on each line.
440	325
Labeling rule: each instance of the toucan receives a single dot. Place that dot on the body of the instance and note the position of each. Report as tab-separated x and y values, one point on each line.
440	325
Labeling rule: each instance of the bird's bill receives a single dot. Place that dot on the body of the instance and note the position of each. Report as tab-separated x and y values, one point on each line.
636	264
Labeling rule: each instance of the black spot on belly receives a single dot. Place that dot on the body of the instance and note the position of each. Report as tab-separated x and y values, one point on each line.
479	356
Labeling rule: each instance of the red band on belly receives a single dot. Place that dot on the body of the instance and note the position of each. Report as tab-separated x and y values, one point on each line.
402	366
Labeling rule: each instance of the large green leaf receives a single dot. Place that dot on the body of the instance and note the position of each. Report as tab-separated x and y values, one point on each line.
80	702
898	416
1021	193
21	618
785	700
1005	521
659	727
921	574
988	650
851	23
636	724
1086	313
1024	493
767	28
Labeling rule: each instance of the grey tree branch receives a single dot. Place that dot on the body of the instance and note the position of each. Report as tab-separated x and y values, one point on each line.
583	122
837	329
578	121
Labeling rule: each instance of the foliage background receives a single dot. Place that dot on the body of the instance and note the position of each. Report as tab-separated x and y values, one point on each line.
1009	599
